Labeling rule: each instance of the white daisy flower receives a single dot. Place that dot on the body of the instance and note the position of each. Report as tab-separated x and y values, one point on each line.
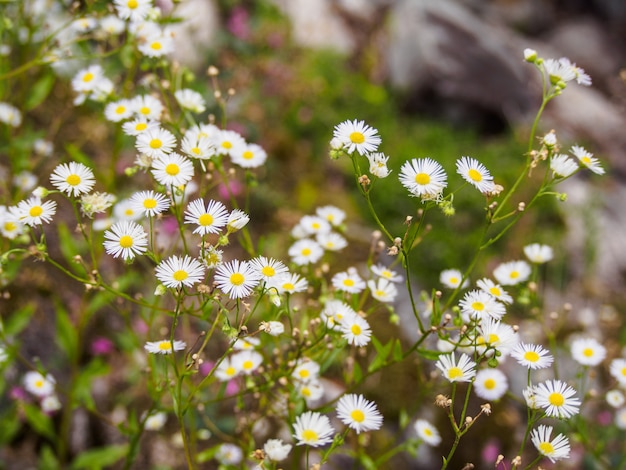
490	384
538	254
226	141
563	166
33	212
42	147
276	450
533	356
558	70
10	226
331	241
86	80
475	173
498	335
587	159
555	449
288	283
246	361
139	126
451	278
495	290
305	251
348	281
313	224
50	404
311	391
147	107
126	239
478	304
112	25
203	131
197	147
423	177
229	454
306	371
73	178
462	371
226	370
164	346
236	279
83	25
427	432
246	343
212	257
358	413
177	271
96	203
382	290
512	273
134	10
10	115
356	330
157	45
587	351
313	429
332	214
38	384
386	273
156	142
149	203
172	170
272	328
378	164
618	370
191	100
268	268
549	140
248	155
356	136
334	313
557	399
117	111
615	398
125	210
209	219
237	220
25	181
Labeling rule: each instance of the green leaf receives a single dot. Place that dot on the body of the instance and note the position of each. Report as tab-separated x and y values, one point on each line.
428	354
84	381
103	457
40	422
67	336
78	155
70	247
382	352
397	351
357	373
47	459
39	91
18	320
367	462
10	425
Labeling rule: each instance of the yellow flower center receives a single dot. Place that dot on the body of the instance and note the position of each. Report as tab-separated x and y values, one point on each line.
495	291
475	175
230	371
348	282
624	371
356	330
149	203
531	356
165	346
247	365
315	226
156	144
422	178
195	151
306	252
142	126
288	286
180	275
305	391
10	226
586	160
546	448
358	416
308	435
428	432
493	338
380	293
514	275
145	110
227	145
455	373
479	306
132	4
205	219
268	271
588	352
88	77
129	212
357	138
304	373
156	46
172	169
490	384
73	180
35	211
39	383
237	279
248	155
556	399
126	241
454	280
120	109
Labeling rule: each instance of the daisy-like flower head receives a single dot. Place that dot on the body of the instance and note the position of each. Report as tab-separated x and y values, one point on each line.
538	254
313	429
313	224
38	384
225	141
126	239
10	225
112	25
157	45
150	203
348	281
134	10
212	257
229	454
237	220
356	136
563	166
25	181
49	404
209	219
147	107
172	170
477	304
335	311
512	273
226	370
423	177
498	335
462	371
83	25
587	159
579	73
288	283
386	273
156	142
549	140
236	278
177	271
356	330
312	391
332	214
306	371
138	126
305	251
587	351
272	328
427	432
383	290
73	178
165	346
533	356
248	155
268	268
125	210
618	370
615	398
475	173
10	115
378	164
358	413
490	384
555	449
246	343
33	212
557	399
276	450
452	278
559	71
247	361
117	111
331	241
191	100
87	80
197	147
493	289
96	203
